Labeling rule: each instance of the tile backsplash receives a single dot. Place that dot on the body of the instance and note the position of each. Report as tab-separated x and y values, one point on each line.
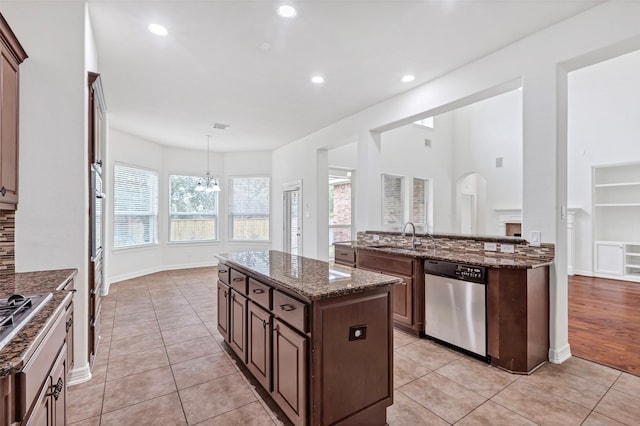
7	242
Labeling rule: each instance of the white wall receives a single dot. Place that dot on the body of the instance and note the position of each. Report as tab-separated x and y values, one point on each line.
52	217
604	128
128	149
541	62
404	153
482	132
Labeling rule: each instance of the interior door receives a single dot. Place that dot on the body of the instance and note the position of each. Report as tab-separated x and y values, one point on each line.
292	200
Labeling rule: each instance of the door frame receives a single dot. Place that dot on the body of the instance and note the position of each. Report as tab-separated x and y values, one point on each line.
286	240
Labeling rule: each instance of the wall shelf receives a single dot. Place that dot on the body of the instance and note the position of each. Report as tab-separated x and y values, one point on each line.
616	202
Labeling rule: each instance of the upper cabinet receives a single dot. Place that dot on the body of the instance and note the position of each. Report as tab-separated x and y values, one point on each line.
11	56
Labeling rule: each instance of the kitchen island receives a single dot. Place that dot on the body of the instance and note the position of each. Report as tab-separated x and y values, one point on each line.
317	337
35	360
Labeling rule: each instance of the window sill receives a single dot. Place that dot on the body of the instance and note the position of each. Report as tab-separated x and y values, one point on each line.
193	242
139	247
249	241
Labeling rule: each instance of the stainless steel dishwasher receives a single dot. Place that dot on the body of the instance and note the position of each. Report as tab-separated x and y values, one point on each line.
456	309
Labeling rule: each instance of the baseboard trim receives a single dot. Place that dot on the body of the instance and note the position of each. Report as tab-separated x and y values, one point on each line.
558	356
156	269
79	375
583	273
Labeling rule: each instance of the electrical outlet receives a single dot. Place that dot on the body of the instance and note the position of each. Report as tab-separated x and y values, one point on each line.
376	237
490	247
536	238
507	248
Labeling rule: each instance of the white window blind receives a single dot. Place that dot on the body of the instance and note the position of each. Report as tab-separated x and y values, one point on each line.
419	203
392	202
249	208
193	215
135	204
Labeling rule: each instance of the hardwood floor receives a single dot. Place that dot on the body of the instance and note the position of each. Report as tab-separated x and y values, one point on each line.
604	321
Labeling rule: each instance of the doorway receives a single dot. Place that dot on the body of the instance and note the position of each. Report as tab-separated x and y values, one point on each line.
292	199
471	192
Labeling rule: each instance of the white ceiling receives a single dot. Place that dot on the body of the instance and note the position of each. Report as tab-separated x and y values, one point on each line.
239	63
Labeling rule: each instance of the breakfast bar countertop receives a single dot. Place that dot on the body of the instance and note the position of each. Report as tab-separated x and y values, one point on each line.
470	257
307	278
20	347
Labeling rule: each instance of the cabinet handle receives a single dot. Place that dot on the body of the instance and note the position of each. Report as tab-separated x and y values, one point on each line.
258	291
287	307
264	323
3	190
69	324
225	293
222	271
344	254
57	389
238	279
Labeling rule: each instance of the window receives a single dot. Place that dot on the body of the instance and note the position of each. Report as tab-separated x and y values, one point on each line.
420	203
135	205
425	122
193	215
249	208
340	208
392	203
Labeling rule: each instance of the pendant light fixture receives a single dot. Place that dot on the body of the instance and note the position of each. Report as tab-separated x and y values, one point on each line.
208	183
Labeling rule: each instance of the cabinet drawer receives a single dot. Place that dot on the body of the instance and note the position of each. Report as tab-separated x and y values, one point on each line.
290	311
238	281
260	293
386	263
223	273
345	255
37	369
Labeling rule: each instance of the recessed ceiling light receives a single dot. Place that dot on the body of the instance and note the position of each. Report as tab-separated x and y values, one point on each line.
286	11
158	29
408	78
317	79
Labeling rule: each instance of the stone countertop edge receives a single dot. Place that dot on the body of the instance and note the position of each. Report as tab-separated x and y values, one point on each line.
315	289
499	261
24	343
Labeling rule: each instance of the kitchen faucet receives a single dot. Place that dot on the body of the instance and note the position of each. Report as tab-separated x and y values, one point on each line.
414	242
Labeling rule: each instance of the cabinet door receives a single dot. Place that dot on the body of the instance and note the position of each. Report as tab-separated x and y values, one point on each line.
224	296
42	414
290	372
609	257
238	325
403	301
69	328
8	130
6	400
58	390
259	344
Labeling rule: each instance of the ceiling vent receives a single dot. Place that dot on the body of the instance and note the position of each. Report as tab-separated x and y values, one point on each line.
220	126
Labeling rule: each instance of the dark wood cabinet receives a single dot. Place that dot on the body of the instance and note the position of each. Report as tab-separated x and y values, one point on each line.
290	372
50	406
7	385
518	318
259	327
11	56
69	335
345	255
408	297
238	324
224	296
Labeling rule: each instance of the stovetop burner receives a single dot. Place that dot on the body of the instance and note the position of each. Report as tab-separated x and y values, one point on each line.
16	311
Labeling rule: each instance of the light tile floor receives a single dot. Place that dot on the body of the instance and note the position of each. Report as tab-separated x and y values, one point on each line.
161	361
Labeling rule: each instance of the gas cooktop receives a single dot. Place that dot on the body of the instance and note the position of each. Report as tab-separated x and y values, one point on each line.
16	311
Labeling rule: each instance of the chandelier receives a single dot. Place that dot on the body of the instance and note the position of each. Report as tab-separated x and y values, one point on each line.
208	183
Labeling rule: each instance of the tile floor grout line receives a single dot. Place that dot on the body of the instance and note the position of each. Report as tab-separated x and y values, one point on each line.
417	402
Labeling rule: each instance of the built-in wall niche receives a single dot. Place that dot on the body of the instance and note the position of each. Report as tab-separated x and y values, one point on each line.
616	220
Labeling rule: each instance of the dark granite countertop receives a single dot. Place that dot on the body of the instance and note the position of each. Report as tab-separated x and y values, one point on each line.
493	261
310	279
22	345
